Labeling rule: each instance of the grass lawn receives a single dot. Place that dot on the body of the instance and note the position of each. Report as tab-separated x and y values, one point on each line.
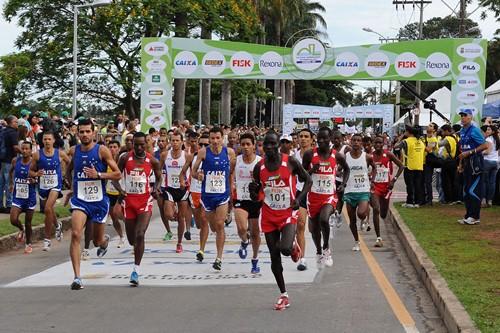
6	228
468	257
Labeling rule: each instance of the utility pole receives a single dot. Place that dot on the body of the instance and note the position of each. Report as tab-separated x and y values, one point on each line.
462	15
420	4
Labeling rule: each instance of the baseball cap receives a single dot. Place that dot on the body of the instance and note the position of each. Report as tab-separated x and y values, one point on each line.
465	111
286	137
43	115
64	114
25	112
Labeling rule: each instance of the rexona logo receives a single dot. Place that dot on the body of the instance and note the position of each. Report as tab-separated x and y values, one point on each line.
156	93
467	82
407	64
271	63
156	65
467	96
463	108
213	63
242	63
347	64
377	64
470	50
437	64
308	54
469	67
156	49
185	63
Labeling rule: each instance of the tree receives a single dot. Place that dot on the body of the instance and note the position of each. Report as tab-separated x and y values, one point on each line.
440	27
493	61
15	69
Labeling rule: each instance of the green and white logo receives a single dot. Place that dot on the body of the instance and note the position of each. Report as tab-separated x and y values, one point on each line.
308	54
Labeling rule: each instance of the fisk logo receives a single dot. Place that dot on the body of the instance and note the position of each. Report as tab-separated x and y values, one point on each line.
407	64
241	63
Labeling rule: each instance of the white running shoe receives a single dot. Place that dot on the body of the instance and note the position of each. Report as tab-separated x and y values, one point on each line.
407	205
327	258
356	246
320	261
121	242
85	254
302	266
378	242
59	231
46	245
364	225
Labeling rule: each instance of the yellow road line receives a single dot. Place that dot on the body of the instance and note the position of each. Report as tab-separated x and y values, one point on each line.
389	292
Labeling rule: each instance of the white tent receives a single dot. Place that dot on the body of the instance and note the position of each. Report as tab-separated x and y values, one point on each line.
493	92
443	102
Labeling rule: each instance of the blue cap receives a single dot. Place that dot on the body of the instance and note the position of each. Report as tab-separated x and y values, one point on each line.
465	111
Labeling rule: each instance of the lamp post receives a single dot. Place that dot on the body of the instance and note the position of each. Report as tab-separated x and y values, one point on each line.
76	8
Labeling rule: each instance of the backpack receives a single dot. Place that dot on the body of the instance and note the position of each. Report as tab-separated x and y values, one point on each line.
3	144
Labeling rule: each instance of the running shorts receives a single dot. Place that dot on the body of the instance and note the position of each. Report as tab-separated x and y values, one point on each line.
134	206
354	198
96	212
381	189
113	199
268	224
25	204
251	207
44	194
175	194
211	202
195	199
316	201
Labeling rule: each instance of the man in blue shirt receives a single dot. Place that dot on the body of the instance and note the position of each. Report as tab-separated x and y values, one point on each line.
472	144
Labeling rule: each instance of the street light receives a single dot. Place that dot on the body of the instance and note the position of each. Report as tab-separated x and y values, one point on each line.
96	3
372	31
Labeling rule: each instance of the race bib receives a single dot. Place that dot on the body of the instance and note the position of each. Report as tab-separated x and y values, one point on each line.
242	191
215	184
173	181
323	184
90	190
136	184
277	198
48	182
382	175
360	182
110	188
22	191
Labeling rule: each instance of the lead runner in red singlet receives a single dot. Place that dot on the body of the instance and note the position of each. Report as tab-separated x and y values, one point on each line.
321	162
137	167
274	183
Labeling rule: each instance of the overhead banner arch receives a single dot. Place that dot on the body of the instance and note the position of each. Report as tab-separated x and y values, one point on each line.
461	61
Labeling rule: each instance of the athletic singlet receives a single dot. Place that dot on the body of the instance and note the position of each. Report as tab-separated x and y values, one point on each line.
278	188
339	173
216	169
195	186
358	177
110	188
173	167
84	188
22	187
244	176
324	178
52	173
383	168
136	176
298	157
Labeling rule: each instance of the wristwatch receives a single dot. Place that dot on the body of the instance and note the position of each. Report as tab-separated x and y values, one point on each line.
98	175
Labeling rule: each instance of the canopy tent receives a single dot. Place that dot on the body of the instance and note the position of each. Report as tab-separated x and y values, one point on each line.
493	92
492	109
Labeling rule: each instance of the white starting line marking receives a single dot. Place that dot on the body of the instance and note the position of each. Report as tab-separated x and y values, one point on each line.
161	266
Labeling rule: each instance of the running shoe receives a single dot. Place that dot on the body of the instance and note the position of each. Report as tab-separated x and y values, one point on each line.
168	236
327	258
77	284
121	242
356	246
200	256
46	245
255	266
178	248
28	249
469	221
242	252
85	254
378	242
368	228
187	235
407	205
320	261
302	266
282	303
363	225
217	265
59	231
20	236
338	219
101	251
296	252
229	219
134	279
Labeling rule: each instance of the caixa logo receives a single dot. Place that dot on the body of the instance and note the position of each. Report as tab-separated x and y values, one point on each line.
469	67
185	62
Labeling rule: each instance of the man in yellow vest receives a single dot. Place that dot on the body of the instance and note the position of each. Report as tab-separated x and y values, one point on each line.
449	169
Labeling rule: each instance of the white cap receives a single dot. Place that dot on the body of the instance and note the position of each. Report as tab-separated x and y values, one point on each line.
286	137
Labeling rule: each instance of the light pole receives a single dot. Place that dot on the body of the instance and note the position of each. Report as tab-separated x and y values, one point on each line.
280	113
76	8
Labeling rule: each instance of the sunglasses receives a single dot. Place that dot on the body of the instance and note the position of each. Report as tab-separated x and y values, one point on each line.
203	144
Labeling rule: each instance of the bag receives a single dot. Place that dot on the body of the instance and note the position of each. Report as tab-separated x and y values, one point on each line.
3	144
434	161
476	163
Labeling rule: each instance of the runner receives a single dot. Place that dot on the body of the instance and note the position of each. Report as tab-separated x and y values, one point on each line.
162	147
367	148
306	143
88	202
218	163
23	195
173	160
357	190
113	194
195	195
321	163
274	182
383	183
339	146
48	164
246	211
137	197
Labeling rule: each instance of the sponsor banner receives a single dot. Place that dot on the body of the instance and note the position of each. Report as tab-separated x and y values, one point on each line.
377	64
242	63
185	62
271	63
347	64
308	54
407	64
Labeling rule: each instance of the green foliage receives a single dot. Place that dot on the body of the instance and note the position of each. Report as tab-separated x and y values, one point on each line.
322	93
6	228
15	69
493	61
440	27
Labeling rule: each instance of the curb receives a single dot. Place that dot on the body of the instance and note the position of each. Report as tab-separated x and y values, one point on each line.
453	313
9	242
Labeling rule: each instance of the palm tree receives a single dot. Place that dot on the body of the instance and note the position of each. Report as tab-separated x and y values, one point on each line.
371	94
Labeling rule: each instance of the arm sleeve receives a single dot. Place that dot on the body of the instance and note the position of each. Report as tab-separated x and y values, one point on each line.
477	136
